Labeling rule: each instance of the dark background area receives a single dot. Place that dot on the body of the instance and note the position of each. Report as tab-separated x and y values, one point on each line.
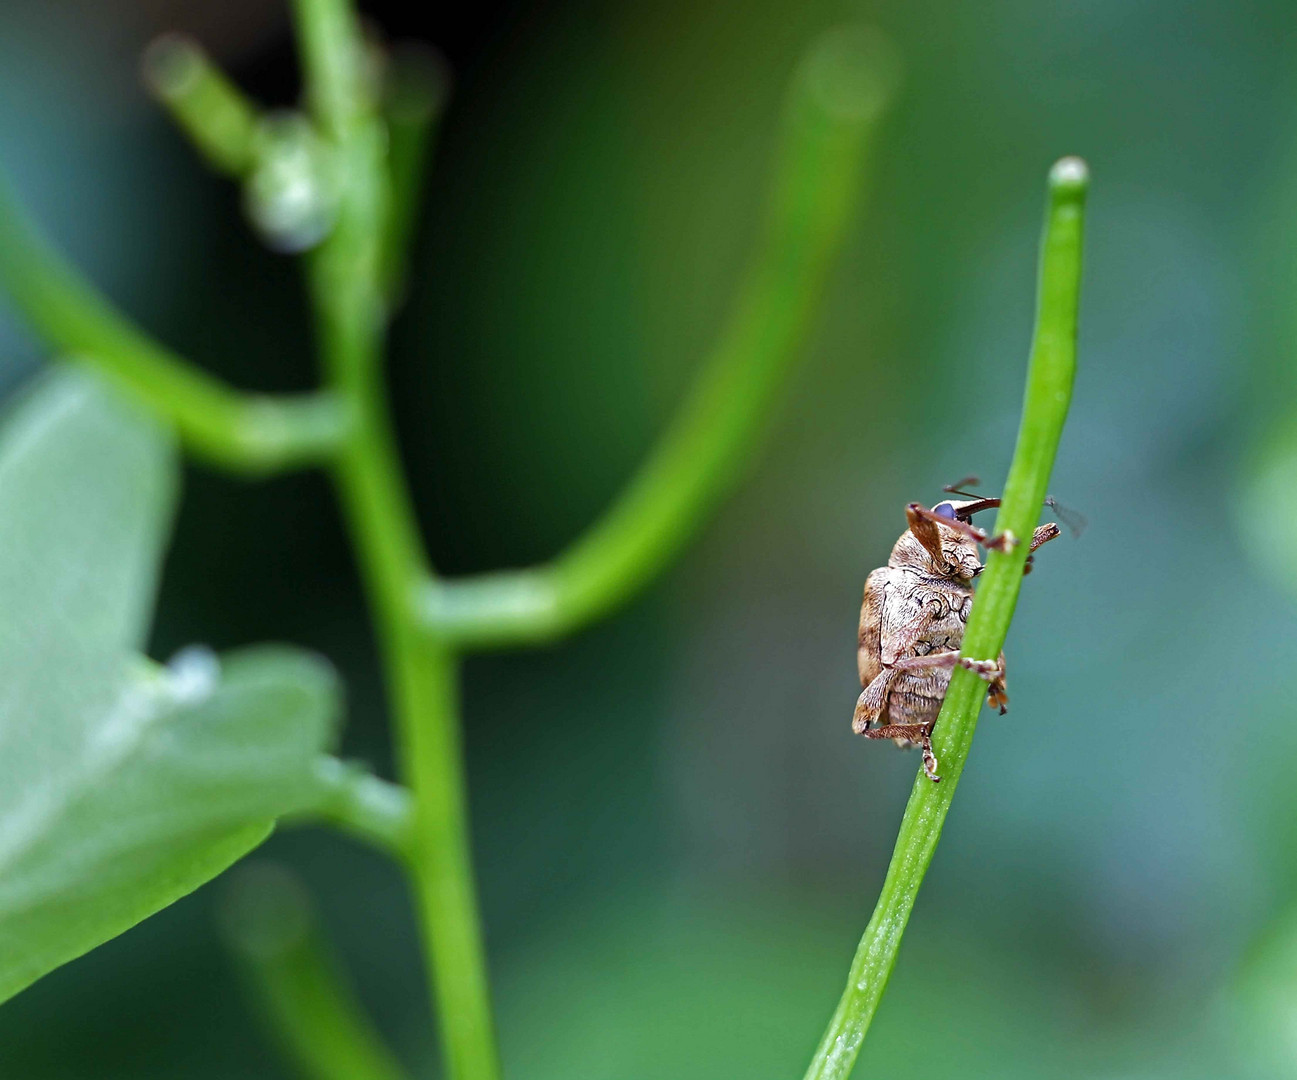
678	838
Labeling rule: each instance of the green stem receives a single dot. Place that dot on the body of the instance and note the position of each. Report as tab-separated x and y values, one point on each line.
834	104
333	62
347	291
219	120
355	801
441	861
243	432
421	677
1049	391
416	92
307	1004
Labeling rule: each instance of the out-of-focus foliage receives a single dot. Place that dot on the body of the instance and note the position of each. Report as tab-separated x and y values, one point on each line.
1116	845
123	786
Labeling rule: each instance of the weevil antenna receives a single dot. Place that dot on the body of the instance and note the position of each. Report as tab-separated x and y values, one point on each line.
966	482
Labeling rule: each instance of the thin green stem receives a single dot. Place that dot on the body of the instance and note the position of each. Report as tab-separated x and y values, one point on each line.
441	861
243	432
1048	394
834	104
355	801
333	61
347	290
219	120
306	1001
415	95
422	683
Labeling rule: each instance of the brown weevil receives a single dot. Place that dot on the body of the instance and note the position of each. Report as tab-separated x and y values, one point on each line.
912	622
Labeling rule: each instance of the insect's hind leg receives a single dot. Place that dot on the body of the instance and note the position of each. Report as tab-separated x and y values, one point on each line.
869	706
919	735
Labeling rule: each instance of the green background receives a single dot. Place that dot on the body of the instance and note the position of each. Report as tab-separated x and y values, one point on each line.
678	838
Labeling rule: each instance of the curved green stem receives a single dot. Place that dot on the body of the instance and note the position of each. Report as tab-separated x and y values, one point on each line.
1049	391
245	432
834	104
307	1003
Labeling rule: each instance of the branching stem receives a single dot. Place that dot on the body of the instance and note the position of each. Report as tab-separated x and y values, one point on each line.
355	801
1049	391
219	120
423	622
348	290
243	432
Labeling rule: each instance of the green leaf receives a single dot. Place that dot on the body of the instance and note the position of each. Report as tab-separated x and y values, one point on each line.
123	785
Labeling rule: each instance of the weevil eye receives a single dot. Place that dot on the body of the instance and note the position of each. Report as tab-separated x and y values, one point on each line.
945	510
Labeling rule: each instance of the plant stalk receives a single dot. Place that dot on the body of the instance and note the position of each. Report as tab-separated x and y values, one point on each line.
306	1001
1048	394
347	287
255	434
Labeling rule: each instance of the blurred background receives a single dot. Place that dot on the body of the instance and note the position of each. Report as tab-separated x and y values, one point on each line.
678	838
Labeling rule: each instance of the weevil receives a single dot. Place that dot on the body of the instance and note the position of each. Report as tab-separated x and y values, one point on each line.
912	622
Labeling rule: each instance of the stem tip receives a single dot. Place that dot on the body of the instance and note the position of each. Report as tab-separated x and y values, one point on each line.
851	72
171	64
1069	179
418	82
265	912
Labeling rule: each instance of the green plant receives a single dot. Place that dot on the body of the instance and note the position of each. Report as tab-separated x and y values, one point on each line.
193	763
1049	393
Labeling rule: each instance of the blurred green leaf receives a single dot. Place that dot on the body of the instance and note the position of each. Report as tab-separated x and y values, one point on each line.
1260	1006
1262	506
123	785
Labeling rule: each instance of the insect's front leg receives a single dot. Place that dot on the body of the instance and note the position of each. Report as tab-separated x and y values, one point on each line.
1043	535
1006	541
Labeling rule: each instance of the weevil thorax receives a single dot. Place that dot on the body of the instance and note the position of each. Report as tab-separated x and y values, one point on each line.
960	561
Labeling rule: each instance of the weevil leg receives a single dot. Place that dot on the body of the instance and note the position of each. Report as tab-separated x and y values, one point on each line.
997	696
1043	535
869	706
1006	541
919	735
990	670
921	521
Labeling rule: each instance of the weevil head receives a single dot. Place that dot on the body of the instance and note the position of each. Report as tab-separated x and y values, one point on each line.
935	549
959	551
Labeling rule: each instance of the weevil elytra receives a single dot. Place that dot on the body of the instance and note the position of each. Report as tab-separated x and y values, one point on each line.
912	623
